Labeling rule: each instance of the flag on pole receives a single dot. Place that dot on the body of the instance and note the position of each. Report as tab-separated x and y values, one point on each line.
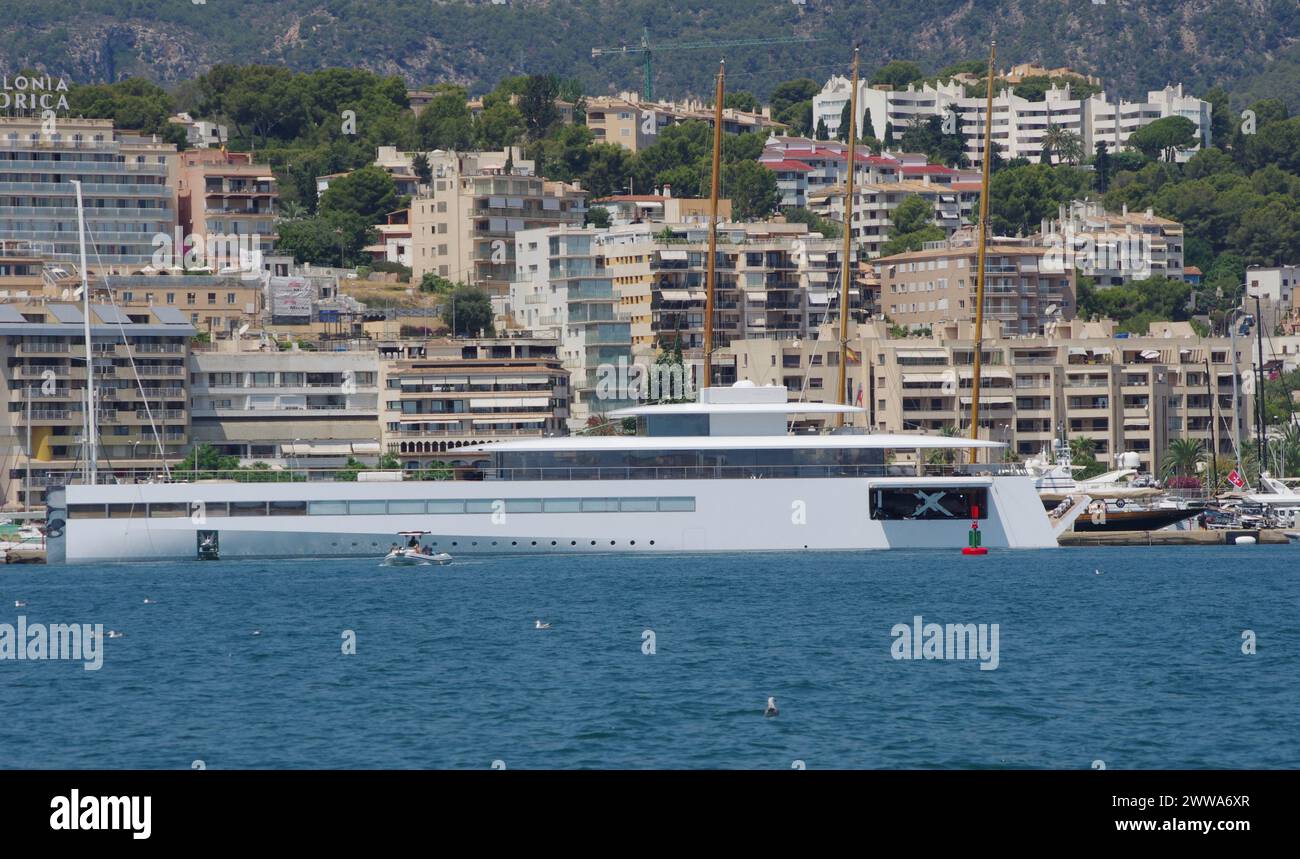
1236	480
859	396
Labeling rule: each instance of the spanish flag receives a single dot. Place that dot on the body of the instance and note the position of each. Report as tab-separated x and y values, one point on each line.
853	357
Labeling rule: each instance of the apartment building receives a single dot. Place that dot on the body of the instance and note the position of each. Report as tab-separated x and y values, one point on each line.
804	167
464	224
127	188
634	124
451	394
1018	123
227	194
1126	393
216	305
661	208
922	289
200	133
564	290
141	392
1113	247
954	205
773	280
293	407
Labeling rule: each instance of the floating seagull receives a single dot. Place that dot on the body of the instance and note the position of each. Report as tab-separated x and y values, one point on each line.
148	601
257	632
1096	572
20	603
771	708
113	633
541	625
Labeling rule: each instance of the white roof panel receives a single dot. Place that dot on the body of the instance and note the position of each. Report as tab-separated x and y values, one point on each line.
890	441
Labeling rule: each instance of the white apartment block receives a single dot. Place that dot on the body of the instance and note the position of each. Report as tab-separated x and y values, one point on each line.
1018	123
564	291
953	206
634	124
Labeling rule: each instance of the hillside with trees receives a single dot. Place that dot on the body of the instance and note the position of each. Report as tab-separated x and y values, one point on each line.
1133	46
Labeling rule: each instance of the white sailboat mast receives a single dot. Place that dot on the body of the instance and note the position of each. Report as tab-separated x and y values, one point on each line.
92	417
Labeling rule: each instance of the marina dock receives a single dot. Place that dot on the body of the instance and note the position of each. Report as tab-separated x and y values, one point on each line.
1224	537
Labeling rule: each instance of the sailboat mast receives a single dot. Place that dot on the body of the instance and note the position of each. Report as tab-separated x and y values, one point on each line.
979	277
845	270
92	419
712	272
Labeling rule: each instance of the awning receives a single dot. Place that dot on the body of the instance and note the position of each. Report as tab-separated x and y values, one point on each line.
1075	350
818	297
521	419
1100	350
317	449
365	447
675	295
418	381
921	353
1144	423
1150	354
927	378
989	401
673	256
510	403
986	372
425	419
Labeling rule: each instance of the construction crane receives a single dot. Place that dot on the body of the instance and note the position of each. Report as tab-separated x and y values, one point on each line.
648	88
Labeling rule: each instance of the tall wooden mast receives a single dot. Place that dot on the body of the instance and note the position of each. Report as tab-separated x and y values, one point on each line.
846	269
713	226
979	281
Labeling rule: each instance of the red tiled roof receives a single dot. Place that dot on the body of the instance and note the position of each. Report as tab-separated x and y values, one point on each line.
632	198
928	168
965	186
1191	269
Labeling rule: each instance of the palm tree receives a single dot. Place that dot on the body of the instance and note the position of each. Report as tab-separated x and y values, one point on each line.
1082	447
1071	148
1054	139
1182	457
291	210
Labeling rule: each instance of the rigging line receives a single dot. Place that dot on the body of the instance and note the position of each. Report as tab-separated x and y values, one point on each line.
130	354
803	389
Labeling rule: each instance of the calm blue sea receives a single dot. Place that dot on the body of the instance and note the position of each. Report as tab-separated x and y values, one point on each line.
1139	667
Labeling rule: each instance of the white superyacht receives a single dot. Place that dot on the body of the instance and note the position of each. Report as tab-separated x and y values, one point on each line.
719	475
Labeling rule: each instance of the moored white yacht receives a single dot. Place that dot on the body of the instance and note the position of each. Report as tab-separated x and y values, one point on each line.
721	474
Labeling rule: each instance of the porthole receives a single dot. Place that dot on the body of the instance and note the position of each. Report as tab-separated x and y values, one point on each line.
593	542
632	542
534	542
611	542
573	542
552	542
652	542
514	542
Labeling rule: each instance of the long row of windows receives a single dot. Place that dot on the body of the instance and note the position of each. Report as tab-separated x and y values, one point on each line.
200	511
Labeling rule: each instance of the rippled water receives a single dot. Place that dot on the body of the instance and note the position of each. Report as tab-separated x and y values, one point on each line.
1140	666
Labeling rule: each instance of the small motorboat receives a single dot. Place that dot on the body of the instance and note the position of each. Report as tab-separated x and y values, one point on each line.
414	557
414	553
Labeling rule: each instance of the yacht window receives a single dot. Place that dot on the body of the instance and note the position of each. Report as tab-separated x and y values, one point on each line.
328	508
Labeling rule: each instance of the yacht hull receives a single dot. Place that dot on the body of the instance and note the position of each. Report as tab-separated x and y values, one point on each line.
704	515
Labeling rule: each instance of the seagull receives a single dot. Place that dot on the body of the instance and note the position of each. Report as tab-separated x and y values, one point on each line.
771	708
1096	572
20	603
148	601
113	633
541	625
257	632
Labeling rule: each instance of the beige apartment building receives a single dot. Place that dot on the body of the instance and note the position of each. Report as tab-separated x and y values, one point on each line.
1128	394
449	394
216	305
1113	247
635	124
463	226
140	393
922	289
227	194
773	280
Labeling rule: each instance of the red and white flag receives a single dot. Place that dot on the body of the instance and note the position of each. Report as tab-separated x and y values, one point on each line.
1235	479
